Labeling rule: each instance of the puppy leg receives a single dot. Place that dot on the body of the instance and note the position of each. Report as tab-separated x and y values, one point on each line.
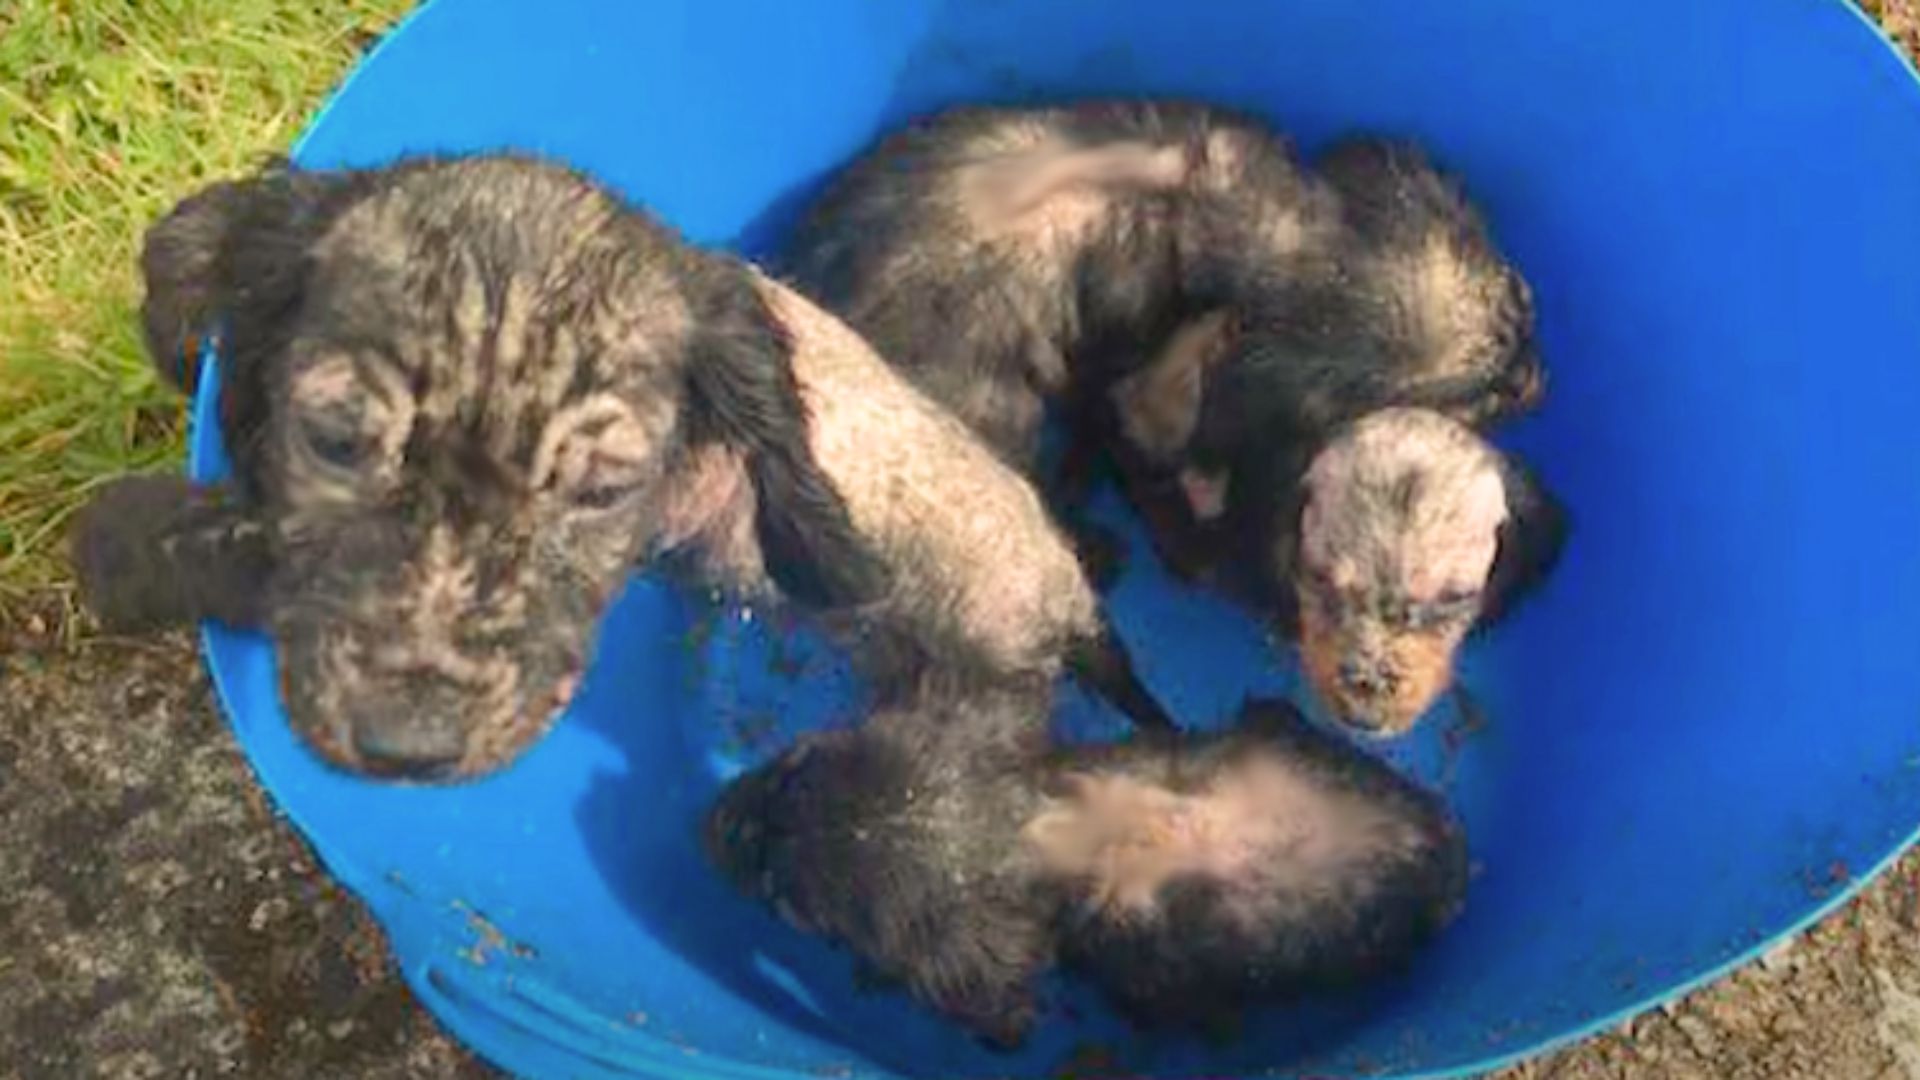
157	551
1188	546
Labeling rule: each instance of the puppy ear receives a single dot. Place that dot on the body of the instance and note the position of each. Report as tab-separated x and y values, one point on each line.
742	392
157	551
231	260
1530	542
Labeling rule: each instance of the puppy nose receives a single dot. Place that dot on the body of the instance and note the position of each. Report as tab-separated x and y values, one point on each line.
1366	678
403	753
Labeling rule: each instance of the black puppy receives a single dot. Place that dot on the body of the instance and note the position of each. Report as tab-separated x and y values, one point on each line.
1202	309
465	396
955	852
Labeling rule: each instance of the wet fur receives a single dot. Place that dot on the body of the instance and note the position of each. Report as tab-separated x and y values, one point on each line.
1317	909
453	389
1389	624
1369	282
897	840
929	843
1412	304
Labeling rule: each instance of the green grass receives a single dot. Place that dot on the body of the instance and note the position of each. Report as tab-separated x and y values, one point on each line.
110	110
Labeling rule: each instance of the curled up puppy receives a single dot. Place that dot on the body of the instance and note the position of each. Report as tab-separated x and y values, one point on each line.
465	397
1317	441
958	854
1014	262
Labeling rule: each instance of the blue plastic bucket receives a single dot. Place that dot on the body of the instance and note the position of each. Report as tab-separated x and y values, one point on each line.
1705	733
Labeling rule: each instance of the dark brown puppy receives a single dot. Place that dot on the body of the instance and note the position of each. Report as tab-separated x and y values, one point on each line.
1210	314
464	397
1004	258
954	852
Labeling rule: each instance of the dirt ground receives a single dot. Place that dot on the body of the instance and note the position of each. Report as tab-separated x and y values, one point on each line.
158	920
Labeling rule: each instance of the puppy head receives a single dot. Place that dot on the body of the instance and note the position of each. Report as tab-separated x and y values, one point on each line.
1397	538
456	388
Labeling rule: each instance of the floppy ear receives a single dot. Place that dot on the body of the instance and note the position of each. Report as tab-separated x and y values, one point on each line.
1530	542
231	261
742	392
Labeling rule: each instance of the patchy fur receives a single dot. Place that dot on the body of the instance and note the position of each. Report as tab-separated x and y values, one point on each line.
459	395
983	582
951	849
1000	256
1266	862
978	563
155	551
895	839
1204	309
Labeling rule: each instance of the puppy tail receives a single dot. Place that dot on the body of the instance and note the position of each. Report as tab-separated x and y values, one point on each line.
157	551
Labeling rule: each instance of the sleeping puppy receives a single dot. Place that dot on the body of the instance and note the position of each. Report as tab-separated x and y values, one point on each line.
1345	412
899	840
464	397
955	853
1410	304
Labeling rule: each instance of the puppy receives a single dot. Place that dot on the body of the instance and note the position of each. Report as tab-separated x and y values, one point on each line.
464	397
956	853
1207	314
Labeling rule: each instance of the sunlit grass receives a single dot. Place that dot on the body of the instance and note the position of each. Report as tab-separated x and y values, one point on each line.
109	111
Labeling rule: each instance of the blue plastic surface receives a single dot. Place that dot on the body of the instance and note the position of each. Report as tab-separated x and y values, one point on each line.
1705	732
